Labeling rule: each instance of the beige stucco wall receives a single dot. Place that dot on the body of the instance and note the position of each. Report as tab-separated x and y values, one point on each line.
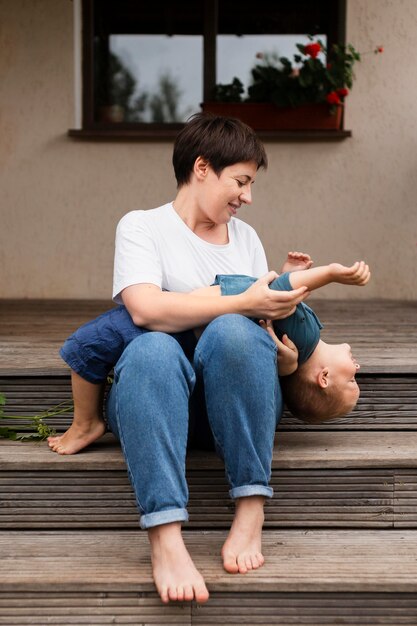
61	198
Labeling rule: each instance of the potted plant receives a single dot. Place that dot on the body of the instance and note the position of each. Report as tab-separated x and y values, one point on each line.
299	94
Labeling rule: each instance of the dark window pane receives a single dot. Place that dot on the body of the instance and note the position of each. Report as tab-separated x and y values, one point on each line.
143	61
148	61
286	17
273	29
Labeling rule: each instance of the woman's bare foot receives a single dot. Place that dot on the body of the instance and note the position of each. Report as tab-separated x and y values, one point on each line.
77	437
242	550
175	575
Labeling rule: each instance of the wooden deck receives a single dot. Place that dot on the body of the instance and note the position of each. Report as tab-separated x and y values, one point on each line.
319	479
382	333
340	532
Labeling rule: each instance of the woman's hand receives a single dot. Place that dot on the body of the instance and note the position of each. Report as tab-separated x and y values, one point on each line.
265	303
287	350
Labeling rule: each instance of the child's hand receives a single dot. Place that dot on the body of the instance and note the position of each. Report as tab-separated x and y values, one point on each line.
287	350
297	261
358	274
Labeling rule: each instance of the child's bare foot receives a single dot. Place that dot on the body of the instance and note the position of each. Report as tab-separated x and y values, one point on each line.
175	575
242	550
77	437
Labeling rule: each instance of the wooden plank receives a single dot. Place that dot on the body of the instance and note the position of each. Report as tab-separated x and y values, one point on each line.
386	402
90	609
293	450
296	561
283	609
349	498
405	499
31	332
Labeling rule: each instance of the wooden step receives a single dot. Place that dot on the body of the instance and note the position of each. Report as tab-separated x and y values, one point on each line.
386	403
320	479
31	332
310	577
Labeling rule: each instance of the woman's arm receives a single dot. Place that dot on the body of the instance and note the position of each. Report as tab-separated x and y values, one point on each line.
358	274
166	311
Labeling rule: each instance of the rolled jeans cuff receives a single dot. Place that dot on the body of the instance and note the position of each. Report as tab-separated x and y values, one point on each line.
251	490
163	517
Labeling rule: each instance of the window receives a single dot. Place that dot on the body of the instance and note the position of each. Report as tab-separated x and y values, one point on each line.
149	65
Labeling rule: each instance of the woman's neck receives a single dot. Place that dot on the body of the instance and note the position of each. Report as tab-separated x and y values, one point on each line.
186	206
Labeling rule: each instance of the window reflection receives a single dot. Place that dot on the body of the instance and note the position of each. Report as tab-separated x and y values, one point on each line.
153	78
236	55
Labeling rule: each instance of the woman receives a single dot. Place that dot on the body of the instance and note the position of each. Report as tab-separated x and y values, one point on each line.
162	255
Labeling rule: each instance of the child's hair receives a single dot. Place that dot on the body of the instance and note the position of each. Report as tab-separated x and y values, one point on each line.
306	400
222	141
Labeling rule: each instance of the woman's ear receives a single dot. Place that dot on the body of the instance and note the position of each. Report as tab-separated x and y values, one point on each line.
201	167
323	378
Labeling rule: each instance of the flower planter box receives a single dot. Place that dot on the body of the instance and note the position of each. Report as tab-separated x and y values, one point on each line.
266	116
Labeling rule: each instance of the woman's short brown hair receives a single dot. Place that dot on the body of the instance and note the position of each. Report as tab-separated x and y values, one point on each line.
222	141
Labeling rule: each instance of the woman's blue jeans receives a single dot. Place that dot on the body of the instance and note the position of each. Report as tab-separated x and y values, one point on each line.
235	361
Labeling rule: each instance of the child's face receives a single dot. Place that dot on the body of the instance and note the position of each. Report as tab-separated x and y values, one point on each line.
342	369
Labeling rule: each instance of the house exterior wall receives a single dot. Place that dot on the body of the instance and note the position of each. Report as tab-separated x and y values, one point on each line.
61	198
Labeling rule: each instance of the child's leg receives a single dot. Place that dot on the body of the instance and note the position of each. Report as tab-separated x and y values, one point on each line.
88	424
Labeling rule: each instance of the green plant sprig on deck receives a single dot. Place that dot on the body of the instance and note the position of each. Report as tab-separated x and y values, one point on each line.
36	429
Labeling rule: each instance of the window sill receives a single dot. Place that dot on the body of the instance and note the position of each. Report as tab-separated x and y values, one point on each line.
168	134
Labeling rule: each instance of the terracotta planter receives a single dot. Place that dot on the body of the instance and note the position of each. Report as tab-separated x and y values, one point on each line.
266	116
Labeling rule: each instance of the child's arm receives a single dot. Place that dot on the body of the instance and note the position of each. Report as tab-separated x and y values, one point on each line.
297	261
169	312
287	350
316	277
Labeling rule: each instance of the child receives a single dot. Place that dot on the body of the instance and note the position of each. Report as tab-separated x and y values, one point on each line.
318	378
319	382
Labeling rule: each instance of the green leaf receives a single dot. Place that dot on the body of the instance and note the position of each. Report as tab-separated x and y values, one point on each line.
7	433
36	428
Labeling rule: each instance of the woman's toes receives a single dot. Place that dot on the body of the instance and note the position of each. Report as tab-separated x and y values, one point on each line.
164	594
255	562
248	562
172	594
242	565
201	593
230	564
188	593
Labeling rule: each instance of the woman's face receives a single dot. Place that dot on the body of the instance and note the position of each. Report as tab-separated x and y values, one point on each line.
223	195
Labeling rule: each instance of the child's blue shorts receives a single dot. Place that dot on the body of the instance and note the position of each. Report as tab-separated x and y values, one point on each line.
94	348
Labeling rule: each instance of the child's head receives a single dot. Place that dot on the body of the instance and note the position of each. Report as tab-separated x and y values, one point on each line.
222	141
324	387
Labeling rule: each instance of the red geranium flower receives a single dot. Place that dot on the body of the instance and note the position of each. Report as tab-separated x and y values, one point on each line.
333	98
342	92
312	49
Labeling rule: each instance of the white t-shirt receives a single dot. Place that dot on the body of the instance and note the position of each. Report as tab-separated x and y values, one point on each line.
157	247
